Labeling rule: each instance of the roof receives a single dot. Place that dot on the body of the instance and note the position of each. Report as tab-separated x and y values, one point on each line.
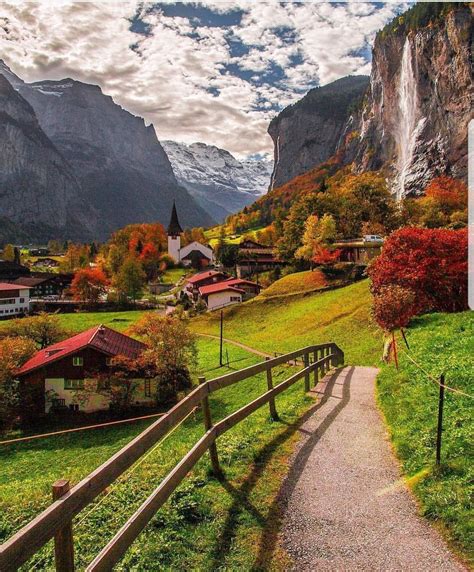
203	276
30	281
101	338
4	286
237	281
174	228
219	287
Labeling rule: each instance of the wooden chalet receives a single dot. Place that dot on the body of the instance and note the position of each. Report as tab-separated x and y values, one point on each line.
254	258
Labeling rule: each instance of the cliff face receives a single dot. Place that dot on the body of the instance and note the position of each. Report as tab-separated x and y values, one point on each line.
220	183
121	166
309	132
39	194
419	103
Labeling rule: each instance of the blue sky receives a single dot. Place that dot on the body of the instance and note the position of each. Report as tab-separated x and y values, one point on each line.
214	71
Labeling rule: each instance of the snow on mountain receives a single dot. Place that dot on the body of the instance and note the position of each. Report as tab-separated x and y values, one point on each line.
220	183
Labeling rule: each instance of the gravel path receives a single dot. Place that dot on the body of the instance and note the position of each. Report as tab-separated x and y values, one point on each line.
345	507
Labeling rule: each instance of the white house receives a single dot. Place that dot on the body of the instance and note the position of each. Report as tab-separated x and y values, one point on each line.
220	295
195	254
14	300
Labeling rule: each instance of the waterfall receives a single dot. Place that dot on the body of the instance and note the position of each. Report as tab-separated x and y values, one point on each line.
408	124
277	160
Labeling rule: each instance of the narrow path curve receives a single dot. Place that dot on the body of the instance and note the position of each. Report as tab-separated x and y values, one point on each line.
238	344
345	507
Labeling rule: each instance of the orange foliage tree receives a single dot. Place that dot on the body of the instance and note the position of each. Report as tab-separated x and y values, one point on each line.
89	284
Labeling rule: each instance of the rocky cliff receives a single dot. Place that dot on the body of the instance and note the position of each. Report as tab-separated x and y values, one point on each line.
119	166
309	132
220	183
39	194
413	124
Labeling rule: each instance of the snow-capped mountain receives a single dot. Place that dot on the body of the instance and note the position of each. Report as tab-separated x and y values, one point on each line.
220	183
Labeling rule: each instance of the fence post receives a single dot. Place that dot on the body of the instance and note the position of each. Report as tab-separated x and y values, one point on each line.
206	411
63	540
306	375
271	403
440	420
315	355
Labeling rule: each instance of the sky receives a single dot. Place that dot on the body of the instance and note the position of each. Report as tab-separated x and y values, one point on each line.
214	71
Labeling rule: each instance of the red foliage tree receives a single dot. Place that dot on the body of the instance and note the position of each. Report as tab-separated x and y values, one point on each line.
432	263
89	284
325	256
449	194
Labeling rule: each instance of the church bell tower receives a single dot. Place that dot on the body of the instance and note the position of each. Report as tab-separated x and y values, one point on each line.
174	236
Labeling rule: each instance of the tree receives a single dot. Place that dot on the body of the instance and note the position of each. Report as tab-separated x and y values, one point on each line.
89	284
44	329
14	352
9	252
130	279
171	352
431	263
76	256
318	234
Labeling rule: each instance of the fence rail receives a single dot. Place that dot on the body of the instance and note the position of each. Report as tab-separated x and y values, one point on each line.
57	518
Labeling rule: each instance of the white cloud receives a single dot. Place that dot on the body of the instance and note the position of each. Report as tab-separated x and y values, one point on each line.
177	75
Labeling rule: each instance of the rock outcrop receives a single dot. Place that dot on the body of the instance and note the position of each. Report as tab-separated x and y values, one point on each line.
414	121
39	194
309	132
220	183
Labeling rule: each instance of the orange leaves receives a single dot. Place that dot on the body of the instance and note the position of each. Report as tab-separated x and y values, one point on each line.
89	284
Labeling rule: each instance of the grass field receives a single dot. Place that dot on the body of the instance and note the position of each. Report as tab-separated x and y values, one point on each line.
287	323
441	343
297	283
206	525
172	275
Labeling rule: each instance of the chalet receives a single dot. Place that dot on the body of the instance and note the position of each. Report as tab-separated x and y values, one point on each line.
45	262
14	300
38	251
250	289
203	279
46	284
195	255
220	295
12	270
52	376
254	258
359	250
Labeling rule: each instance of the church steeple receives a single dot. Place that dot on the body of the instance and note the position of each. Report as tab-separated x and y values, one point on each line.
174	228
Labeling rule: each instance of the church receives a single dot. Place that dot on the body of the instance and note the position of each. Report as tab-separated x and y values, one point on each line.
195	254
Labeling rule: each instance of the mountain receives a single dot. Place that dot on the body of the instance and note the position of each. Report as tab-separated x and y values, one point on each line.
220	183
120	167
414	120
309	132
39	194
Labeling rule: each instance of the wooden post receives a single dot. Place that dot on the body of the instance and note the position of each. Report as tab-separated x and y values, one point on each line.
63	541
315	357
271	403
206	411
221	339
306	375
440	420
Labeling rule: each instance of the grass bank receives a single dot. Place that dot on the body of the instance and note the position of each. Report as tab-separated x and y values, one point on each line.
297	283
441	343
287	323
206	525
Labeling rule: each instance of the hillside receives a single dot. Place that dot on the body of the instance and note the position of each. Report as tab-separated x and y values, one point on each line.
286	323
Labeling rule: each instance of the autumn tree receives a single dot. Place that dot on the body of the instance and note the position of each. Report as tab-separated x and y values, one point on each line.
14	352
76	256
171	351
89	284
44	329
318	234
130	279
431	263
8	252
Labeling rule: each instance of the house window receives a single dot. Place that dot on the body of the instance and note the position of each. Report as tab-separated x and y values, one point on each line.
22	300
235	299
147	388
78	361
73	384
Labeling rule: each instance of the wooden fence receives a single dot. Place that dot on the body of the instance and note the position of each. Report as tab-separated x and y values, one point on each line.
56	521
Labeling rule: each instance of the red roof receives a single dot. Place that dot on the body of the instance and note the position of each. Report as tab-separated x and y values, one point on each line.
219	287
204	276
237	281
7	287
100	338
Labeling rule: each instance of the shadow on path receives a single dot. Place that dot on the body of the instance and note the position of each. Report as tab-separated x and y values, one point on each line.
241	495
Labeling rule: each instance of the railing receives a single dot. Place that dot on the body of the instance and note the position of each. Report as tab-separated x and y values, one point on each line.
56	521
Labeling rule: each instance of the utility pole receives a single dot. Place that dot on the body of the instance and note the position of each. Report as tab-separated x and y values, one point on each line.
221	339
440	420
